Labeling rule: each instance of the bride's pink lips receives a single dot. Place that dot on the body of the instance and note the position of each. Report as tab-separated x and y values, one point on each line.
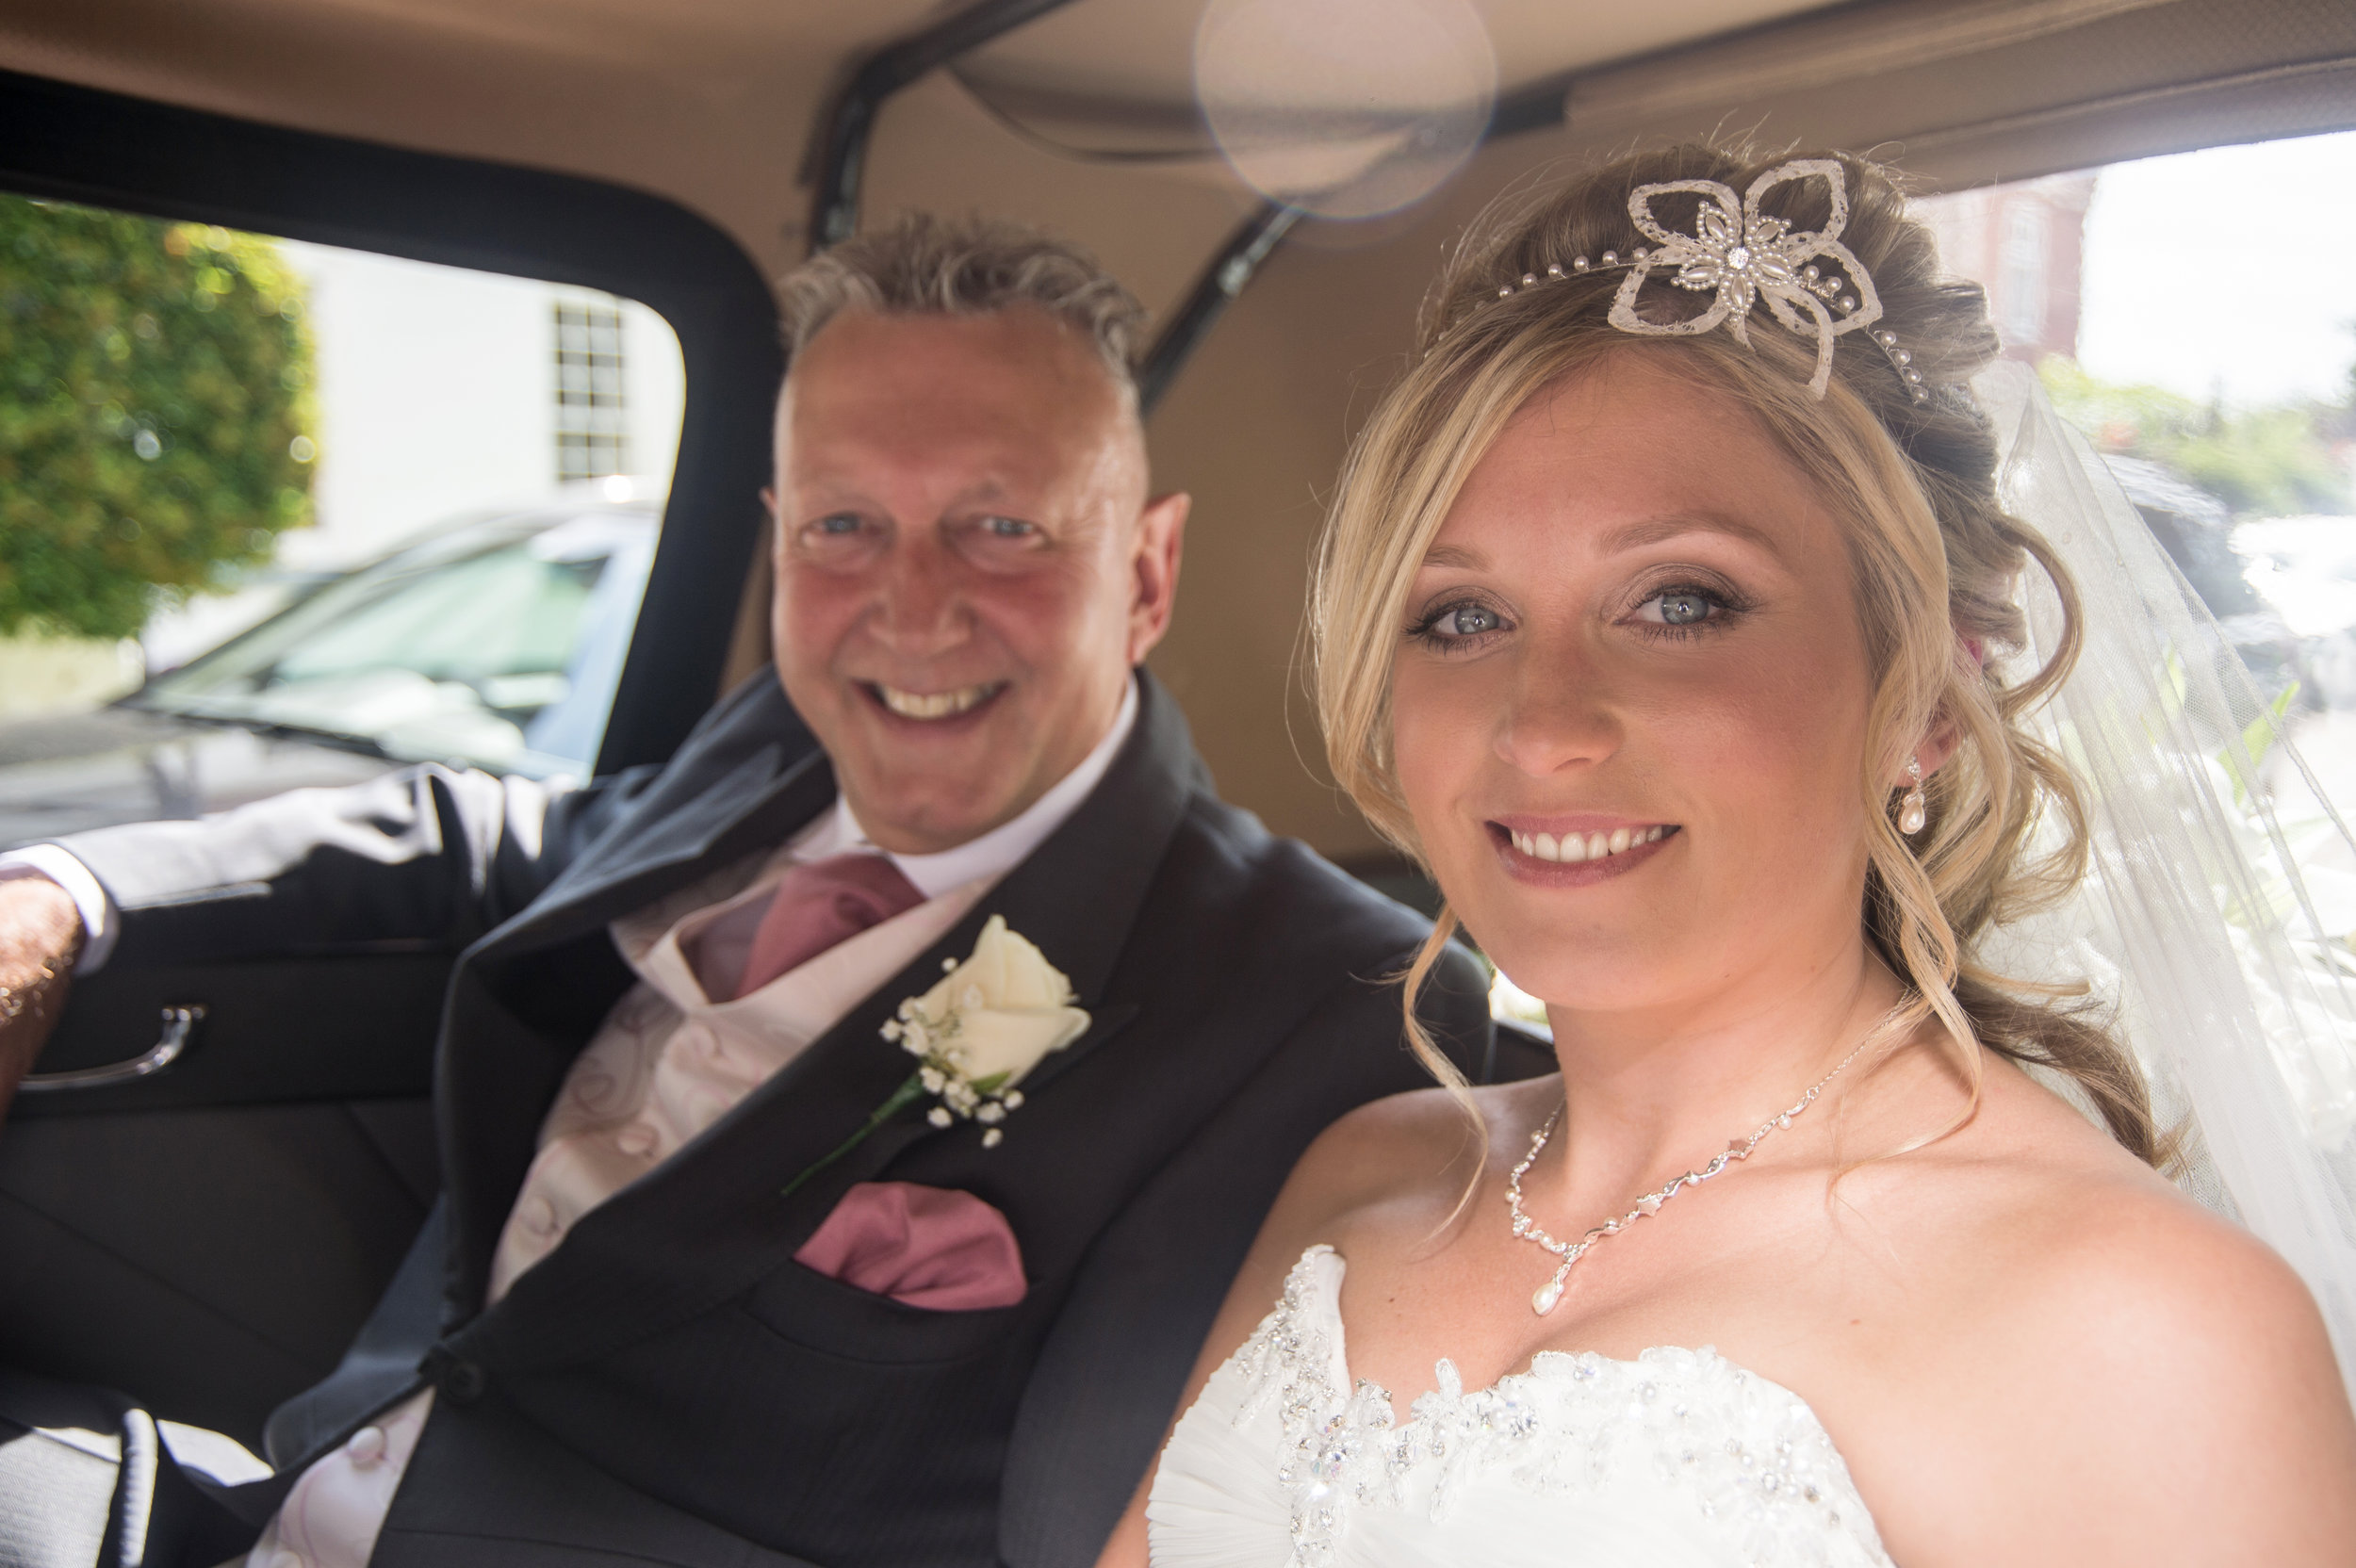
1532	865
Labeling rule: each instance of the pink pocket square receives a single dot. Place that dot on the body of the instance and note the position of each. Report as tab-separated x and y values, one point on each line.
926	1247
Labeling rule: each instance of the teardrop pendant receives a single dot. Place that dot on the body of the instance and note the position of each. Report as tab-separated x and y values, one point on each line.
1542	1301
1913	811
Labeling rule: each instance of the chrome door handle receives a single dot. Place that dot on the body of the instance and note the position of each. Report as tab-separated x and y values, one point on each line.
179	1027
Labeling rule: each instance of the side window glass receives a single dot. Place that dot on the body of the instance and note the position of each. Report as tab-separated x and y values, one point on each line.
276	514
2224	402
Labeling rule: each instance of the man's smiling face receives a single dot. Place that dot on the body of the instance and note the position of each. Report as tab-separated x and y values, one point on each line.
966	566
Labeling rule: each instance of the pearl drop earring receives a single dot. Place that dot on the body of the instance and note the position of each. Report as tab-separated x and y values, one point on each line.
1913	810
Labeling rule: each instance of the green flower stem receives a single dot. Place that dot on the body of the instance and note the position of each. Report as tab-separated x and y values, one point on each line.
905	1095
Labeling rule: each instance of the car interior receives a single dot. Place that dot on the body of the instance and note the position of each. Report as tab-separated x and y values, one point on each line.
226	1163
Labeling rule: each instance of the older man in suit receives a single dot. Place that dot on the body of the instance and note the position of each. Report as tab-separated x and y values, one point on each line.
714	1279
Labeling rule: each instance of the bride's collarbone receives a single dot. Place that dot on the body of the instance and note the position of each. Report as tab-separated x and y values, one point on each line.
1800	1271
1404	1309
1828	1265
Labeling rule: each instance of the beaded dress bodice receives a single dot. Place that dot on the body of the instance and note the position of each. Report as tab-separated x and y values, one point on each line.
1678	1458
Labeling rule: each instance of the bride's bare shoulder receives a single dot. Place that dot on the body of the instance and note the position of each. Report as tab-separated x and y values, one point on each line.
1398	1156
2068	1214
1394	1164
2075	1329
2163	1280
2052	1232
1403	1143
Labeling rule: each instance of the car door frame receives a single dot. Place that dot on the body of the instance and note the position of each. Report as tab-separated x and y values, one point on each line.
65	142
211	1235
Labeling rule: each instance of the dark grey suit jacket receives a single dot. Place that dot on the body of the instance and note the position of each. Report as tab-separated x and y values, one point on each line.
669	1386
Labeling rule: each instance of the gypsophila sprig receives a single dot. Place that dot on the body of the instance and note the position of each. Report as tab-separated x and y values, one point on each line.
975	1036
934	1042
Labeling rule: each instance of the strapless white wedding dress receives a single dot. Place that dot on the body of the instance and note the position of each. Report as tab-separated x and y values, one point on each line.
1678	1458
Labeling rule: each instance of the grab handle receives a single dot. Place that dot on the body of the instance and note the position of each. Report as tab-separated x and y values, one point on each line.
179	1028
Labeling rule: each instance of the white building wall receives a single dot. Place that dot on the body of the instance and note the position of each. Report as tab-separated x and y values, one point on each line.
437	400
434	398
438	397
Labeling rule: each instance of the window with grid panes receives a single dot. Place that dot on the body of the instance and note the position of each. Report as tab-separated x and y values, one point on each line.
592	440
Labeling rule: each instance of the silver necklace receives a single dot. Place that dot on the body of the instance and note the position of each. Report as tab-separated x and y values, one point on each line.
1542	1301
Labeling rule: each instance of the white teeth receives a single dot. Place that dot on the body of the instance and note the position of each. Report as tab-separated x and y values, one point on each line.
1570	849
931	705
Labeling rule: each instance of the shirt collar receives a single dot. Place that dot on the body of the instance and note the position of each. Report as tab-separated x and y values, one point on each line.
996	852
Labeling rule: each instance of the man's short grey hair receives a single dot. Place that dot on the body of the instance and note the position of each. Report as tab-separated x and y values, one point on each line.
922	265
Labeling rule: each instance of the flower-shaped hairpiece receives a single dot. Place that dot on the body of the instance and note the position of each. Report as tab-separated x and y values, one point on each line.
1745	257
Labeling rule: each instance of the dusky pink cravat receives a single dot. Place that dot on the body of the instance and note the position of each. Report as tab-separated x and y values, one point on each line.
819	905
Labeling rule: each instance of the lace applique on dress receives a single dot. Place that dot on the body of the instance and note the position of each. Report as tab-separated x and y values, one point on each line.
1339	1449
1746	1453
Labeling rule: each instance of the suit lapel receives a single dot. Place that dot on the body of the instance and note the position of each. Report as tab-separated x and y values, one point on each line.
757	804
712	1221
750	784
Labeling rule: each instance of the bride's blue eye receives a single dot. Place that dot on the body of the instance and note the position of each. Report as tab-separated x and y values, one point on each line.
1456	622
1681	609
1471	620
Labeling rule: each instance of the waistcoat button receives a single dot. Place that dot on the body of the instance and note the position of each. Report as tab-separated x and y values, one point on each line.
463	1382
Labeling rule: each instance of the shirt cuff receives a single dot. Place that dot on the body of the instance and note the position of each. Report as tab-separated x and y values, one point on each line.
100	925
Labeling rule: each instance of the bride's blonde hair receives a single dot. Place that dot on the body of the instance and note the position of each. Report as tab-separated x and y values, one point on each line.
1936	561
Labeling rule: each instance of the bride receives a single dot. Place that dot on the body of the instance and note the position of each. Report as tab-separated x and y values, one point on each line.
1668	615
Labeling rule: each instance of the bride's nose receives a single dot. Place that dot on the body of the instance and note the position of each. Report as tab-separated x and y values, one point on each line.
1558	714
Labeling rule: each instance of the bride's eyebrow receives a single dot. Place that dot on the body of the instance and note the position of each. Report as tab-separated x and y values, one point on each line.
1652	530
1456	556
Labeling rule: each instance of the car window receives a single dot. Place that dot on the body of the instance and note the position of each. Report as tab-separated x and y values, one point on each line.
496	645
2226	405
265	493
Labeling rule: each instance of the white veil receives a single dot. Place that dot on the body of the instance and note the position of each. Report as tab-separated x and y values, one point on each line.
2218	931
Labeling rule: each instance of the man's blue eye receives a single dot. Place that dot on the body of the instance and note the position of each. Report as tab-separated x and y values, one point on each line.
1007	528
840	523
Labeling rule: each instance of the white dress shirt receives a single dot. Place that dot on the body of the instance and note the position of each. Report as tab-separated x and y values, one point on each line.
667	1063
90	900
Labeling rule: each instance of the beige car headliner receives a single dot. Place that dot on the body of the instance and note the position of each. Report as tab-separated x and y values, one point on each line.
715	103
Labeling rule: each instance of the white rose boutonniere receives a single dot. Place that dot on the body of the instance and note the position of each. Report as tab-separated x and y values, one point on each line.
975	1036
985	1027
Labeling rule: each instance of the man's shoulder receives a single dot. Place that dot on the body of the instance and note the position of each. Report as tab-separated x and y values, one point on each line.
1286	902
753	718
750	738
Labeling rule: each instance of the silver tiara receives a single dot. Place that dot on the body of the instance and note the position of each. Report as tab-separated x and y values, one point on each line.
1745	256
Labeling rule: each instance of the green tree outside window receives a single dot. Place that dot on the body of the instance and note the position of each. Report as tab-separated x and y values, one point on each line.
2274	461
156	412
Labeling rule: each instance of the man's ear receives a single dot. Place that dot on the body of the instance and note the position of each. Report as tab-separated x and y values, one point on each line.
1160	540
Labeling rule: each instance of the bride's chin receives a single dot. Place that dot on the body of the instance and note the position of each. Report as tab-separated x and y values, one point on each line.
1605	965
1567	986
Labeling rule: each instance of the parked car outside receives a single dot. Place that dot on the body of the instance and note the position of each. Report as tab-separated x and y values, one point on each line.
494	642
